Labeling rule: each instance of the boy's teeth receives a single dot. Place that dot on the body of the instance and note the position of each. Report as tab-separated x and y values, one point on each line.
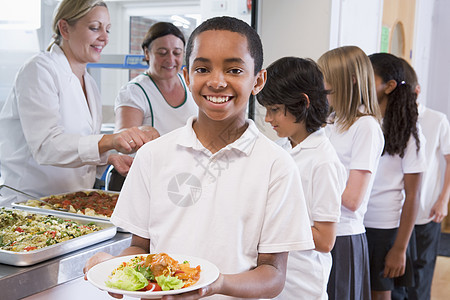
217	99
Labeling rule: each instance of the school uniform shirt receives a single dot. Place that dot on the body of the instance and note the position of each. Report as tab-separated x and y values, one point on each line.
358	148
436	129
143	94
50	131
323	179
387	196
225	207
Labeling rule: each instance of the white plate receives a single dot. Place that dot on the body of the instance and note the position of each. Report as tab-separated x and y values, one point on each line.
100	273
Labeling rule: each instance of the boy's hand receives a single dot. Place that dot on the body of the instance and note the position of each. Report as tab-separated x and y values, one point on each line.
94	260
209	290
394	263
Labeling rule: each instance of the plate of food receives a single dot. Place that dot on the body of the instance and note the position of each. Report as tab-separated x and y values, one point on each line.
152	276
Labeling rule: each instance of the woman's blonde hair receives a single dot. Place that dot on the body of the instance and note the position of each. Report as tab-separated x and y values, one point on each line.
349	72
71	11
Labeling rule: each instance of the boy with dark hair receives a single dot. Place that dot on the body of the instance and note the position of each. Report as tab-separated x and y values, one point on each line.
297	108
217	188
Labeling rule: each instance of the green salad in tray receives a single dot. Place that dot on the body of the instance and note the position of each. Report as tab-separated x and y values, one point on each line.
22	231
153	272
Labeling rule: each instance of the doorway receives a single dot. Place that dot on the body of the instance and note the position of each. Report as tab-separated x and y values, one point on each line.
398	28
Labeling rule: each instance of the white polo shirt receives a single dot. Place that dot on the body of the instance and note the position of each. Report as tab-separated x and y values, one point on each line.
358	148
388	195
143	94
225	207
436	129
323	180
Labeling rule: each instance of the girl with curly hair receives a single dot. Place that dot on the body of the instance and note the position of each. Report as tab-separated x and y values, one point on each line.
394	199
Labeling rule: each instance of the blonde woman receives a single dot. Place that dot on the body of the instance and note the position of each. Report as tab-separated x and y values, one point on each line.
50	141
355	133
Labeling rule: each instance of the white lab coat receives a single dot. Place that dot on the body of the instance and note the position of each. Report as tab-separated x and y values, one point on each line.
49	133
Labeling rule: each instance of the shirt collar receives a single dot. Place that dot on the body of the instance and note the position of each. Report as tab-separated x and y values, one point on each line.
244	143
60	58
420	109
312	141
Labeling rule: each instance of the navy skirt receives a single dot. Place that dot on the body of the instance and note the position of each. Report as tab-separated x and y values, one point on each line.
350	274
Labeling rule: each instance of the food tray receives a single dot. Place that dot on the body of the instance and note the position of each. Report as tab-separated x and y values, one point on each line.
22	205
39	255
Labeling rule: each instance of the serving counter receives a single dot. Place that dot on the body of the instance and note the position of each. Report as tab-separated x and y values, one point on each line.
20	282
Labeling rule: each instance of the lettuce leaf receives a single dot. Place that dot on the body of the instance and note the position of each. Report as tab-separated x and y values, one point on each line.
169	283
146	271
127	279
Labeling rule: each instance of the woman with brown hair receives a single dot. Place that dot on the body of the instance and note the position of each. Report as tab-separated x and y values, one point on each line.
157	101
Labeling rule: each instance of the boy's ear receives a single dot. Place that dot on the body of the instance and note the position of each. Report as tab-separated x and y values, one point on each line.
260	81
186	76
306	98
390	86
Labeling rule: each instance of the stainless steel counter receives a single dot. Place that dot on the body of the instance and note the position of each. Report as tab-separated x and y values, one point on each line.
19	282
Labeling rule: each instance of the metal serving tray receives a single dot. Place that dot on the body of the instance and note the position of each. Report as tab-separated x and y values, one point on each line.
22	205
32	257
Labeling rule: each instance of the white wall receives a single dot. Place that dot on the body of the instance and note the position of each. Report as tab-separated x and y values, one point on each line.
310	28
19	40
422	44
430	53
113	79
291	28
234	8
437	92
359	24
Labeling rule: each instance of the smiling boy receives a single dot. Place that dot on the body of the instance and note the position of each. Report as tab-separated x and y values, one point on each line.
217	188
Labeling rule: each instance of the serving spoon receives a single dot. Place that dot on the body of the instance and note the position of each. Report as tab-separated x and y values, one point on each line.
32	197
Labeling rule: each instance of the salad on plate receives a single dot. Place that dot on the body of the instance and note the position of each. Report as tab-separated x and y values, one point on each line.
151	276
153	272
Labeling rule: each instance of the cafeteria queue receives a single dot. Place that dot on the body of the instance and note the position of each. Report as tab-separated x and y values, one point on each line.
339	207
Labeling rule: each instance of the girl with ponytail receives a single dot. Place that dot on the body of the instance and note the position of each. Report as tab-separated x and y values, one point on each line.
394	199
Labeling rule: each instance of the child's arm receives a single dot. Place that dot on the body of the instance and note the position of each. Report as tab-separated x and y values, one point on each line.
395	260
324	235
440	207
264	281
354	192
